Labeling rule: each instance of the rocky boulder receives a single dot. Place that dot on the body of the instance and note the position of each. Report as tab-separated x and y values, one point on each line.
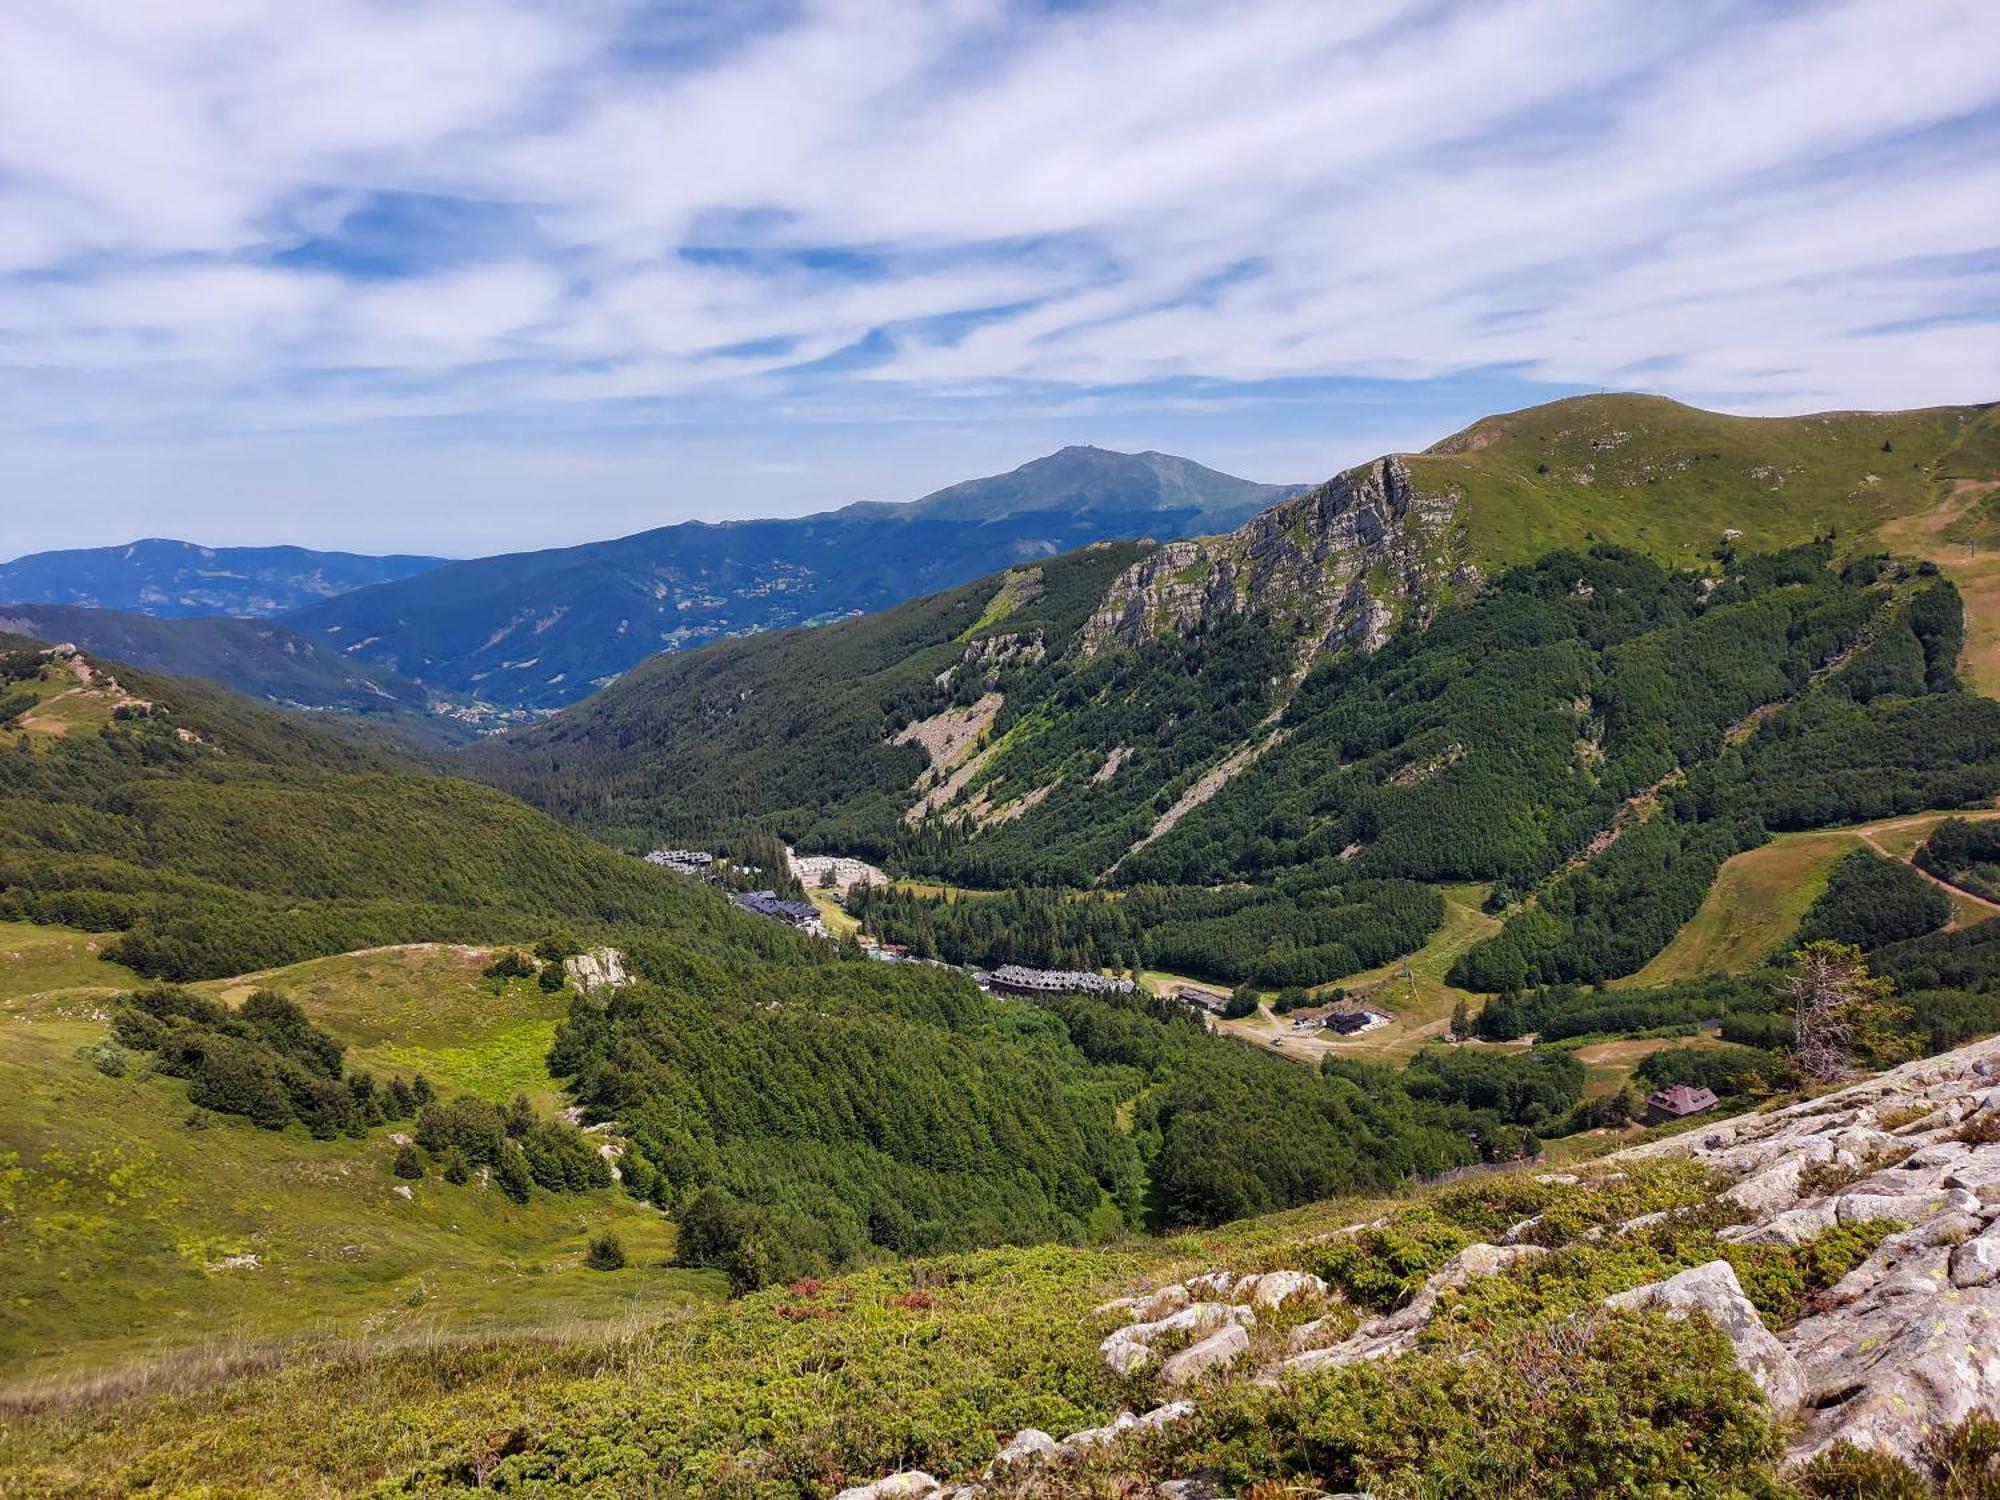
1395	1333
1218	1351
1130	1349
1976	1262
912	1484
599	969
1713	1291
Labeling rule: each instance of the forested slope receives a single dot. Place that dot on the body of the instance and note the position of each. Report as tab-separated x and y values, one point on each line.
218	836
1116	721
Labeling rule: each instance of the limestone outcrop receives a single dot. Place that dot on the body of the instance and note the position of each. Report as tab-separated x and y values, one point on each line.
1906	1341
599	969
1713	1291
1353	556
1911	1337
1396	1332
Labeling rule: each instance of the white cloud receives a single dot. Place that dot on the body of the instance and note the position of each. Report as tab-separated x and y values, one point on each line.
1767	206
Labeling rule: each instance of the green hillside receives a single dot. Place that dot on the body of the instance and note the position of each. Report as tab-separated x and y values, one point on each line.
258	658
132	1237
218	836
933	1365
1668	479
788	728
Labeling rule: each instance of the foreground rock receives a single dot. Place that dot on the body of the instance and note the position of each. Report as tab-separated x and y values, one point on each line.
1911	1337
909	1485
1131	1348
1713	1291
1397	1332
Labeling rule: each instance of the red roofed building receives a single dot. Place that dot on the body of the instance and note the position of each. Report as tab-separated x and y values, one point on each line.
1677	1103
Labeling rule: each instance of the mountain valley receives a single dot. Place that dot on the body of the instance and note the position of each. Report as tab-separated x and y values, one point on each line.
1555	762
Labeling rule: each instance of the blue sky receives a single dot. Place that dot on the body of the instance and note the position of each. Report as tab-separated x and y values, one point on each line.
485	274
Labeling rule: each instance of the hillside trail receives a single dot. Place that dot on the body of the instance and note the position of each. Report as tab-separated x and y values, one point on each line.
1869	836
1971	566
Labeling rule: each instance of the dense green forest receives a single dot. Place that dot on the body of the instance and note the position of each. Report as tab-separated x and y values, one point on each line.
1869	901
218	837
1859	742
1966	854
1309	927
801	1120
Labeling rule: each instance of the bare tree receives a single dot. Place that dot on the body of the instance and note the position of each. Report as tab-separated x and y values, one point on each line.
1837	1008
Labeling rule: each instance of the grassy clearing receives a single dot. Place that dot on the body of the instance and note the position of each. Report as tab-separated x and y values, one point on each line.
1961	534
41	968
1019	587
1608	1066
121	1226
425	1008
1757	900
831	912
1753	907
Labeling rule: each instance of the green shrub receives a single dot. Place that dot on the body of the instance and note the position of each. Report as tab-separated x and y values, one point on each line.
1781	1279
607	1253
408	1163
1610	1404
511	1176
513	964
457	1170
1960	1462
1242	1002
1381	1267
1845	1472
108	1058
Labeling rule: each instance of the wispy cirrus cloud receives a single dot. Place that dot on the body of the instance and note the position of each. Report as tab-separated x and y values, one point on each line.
396	239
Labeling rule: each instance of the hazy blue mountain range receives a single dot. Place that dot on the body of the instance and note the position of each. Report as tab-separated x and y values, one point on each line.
258	658
538	630
177	579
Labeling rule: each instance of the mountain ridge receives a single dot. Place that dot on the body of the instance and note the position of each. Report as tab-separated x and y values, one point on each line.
174	579
487	629
1341	565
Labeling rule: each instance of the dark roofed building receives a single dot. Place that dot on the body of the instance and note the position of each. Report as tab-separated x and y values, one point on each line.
800	914
1348	1022
1196	998
1677	1103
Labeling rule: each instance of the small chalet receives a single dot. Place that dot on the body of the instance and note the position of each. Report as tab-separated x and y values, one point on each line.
1677	1103
1348	1022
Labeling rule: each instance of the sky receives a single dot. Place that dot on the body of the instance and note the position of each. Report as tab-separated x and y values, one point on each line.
462	276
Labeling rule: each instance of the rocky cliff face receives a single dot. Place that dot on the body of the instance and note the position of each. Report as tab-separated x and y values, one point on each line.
1349	559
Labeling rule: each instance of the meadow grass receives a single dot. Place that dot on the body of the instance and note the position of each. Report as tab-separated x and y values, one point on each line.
126	1216
425	1008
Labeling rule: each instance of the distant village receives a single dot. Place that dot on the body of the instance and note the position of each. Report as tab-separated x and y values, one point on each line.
839	873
